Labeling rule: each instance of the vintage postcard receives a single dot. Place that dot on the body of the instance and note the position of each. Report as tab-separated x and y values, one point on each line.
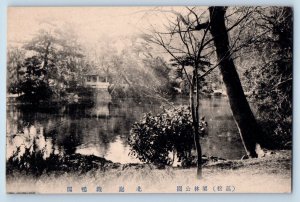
149	100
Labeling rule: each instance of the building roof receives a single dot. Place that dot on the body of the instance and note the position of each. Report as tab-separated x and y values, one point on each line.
96	72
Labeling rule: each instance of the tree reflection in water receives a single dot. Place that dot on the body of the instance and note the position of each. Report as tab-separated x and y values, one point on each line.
74	130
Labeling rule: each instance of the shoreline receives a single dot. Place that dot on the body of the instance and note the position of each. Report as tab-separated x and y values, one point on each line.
269	174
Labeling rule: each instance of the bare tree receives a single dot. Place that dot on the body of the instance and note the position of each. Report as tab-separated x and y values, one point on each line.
189	49
192	40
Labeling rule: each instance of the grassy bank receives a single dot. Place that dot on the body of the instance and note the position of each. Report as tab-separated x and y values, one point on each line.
271	173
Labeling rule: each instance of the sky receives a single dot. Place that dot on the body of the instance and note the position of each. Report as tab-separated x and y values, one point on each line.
99	30
91	23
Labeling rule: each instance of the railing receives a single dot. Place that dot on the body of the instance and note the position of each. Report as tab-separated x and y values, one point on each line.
99	85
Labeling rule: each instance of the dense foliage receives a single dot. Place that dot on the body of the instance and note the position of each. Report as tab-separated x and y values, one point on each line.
269	76
45	66
33	83
156	137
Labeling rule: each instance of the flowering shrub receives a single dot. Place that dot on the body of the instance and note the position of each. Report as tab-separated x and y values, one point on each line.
155	138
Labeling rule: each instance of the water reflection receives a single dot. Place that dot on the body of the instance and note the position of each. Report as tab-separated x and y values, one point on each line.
75	129
32	138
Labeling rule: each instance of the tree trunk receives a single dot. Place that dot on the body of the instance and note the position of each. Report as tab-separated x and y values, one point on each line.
45	65
243	116
194	111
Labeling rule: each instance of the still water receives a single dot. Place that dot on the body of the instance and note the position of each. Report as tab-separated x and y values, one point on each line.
103	130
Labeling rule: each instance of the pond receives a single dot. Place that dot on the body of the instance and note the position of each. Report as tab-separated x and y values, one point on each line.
103	130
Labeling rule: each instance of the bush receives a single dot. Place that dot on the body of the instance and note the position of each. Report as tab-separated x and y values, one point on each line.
35	161
155	138
277	134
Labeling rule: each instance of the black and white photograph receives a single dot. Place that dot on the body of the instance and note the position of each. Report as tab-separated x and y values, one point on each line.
152	99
